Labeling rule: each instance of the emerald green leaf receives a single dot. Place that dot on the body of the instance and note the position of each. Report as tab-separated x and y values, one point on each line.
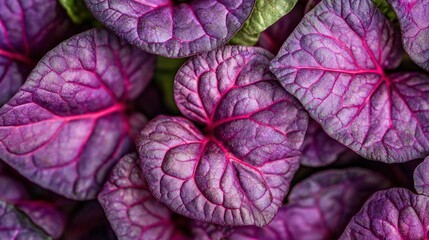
265	14
78	12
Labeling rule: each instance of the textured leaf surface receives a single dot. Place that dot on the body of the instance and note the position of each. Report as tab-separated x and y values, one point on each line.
391	214
421	177
413	16
131	209
208	231
264	14
67	125
28	28
238	171
15	225
319	207
386	9
173	30
318	148
334	64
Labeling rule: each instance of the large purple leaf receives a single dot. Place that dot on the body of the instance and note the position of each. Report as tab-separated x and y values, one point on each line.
238	171
413	16
173	30
131	209
391	214
421	177
334	64
319	207
67	125
28	28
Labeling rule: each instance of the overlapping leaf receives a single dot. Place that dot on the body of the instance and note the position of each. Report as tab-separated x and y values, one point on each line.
391	214
132	211
335	62
413	16
421	177
319	207
238	171
173	30
67	124
28	29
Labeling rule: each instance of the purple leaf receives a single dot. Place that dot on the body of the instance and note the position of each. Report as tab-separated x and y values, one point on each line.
173	30
15	225
44	215
319	207
391	214
318	148
238	171
334	64
28	28
67	124
421	177
413	16
131	209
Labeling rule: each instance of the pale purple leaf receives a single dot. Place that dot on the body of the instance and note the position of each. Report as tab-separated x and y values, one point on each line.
170	29
318	148
413	16
335	63
395	213
131	209
421	177
67	124
28	29
237	171
320	206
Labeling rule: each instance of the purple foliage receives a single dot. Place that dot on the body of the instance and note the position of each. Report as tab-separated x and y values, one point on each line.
238	170
132	211
30	215
67	125
28	28
395	213
318	148
15	225
413	16
174	30
335	63
319	207
421	177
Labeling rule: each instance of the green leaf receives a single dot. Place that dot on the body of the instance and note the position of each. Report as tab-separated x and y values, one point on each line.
165	71
78	12
265	13
386	9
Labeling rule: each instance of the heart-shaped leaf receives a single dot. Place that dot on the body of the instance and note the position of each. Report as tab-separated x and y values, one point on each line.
238	171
